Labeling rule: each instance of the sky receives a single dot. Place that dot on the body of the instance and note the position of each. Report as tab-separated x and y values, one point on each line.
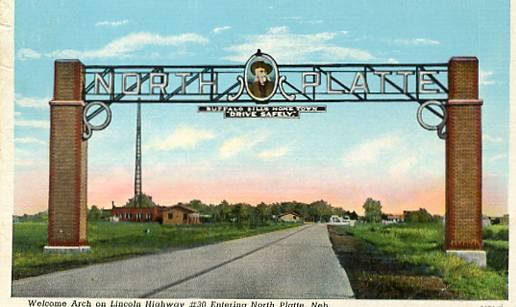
349	153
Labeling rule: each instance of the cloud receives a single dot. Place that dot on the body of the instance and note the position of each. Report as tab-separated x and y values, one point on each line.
32	102
290	47
492	139
28	54
371	150
403	165
301	19
292	18
115	23
497	157
127	45
29	156
235	145
32	123
484	77
181	138
218	30
417	42
392	61
29	140
274	153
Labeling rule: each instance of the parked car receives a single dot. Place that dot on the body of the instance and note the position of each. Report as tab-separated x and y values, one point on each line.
343	221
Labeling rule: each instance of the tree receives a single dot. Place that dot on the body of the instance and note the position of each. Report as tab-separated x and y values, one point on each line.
372	210
141	201
94	214
263	212
224	211
198	205
321	210
420	216
339	211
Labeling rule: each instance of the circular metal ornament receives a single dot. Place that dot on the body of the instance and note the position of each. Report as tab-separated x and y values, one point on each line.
266	60
438	127
89	126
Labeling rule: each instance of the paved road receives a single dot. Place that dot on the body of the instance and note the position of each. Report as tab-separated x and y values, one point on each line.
293	263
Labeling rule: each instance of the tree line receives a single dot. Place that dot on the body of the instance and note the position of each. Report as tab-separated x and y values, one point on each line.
263	213
244	213
373	213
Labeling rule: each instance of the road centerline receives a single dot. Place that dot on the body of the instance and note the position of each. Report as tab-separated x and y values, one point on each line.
212	268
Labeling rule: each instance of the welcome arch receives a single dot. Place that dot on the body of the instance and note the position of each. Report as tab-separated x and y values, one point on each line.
448	90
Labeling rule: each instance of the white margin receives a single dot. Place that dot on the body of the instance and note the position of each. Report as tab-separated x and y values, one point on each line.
6	144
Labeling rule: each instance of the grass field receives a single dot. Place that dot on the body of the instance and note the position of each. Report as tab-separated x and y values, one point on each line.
422	244
110	241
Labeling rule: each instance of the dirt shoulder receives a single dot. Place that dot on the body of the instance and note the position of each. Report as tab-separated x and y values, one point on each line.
375	275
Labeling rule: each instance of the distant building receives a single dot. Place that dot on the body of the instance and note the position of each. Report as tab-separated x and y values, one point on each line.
128	214
504	220
106	214
291	217
180	215
144	210
394	218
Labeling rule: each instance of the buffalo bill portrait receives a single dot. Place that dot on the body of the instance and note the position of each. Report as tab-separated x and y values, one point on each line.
262	86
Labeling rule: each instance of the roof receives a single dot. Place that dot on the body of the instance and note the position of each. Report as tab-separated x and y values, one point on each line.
184	208
290	212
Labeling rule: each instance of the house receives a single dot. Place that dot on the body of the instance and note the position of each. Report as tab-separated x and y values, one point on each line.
504	220
394	218
290	217
180	215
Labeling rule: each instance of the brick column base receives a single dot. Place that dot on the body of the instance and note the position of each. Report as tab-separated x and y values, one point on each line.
463	235
67	209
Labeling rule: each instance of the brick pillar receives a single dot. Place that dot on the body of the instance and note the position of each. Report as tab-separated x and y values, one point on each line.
463	235
67	210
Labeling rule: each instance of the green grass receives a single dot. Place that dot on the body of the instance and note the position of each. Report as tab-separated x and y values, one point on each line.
110	241
422	244
496	232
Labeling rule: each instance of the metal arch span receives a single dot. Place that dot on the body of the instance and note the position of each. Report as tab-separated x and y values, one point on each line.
308	82
297	83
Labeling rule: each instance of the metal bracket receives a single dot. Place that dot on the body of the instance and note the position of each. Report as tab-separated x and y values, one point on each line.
289	97
240	79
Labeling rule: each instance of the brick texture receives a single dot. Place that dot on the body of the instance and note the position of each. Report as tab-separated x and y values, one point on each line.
68	159
463	157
